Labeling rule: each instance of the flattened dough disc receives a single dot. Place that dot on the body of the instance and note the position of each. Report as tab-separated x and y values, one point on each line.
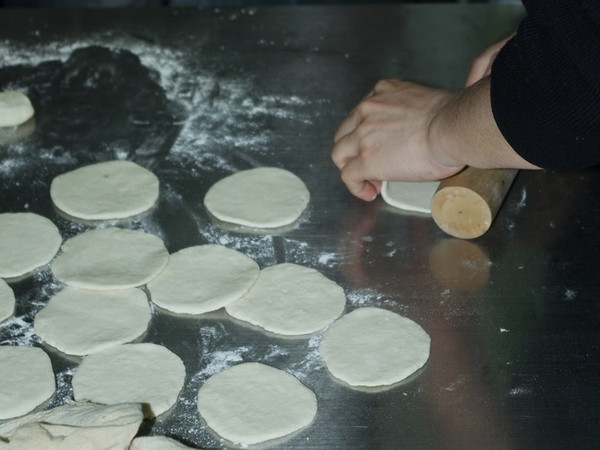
131	373
290	299
81	321
27	241
265	197
15	108
409	195
251	403
203	278
110	258
27	380
374	347
7	301
107	190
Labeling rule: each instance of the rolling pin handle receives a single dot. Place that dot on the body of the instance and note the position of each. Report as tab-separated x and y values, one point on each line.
466	204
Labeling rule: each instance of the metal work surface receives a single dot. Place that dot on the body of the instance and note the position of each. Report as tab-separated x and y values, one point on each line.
195	95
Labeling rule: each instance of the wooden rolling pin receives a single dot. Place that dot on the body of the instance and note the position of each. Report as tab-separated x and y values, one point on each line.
465	204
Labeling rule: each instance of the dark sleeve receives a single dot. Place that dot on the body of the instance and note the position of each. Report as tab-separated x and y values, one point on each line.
545	85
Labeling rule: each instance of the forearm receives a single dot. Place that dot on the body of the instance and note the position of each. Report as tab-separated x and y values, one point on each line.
464	132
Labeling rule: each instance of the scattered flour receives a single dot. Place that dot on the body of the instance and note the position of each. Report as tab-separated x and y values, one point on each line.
18	329
364	297
520	391
221	113
222	130
64	391
523	200
312	361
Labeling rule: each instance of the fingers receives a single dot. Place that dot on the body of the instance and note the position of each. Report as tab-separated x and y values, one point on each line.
356	116
479	69
366	190
355	174
482	65
348	125
389	85
346	155
359	135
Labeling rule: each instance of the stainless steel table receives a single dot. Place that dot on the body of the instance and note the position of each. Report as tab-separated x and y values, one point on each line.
195	95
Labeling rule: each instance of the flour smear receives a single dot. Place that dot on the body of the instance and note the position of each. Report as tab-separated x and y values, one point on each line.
218	113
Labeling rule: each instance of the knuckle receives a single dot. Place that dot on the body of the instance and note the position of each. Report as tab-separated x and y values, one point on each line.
363	108
384	84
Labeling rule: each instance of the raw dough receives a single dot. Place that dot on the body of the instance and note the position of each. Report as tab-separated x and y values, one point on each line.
27	241
409	195
251	403
290	299
15	108
156	443
7	301
107	190
203	278
139	373
79	322
12	135
265	197
110	258
75	426
374	347
27	380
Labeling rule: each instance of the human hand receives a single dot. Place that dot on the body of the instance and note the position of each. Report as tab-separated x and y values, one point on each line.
482	64
388	137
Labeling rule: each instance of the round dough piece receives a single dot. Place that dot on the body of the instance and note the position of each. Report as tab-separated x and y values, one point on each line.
27	241
251	403
15	108
203	278
107	190
409	195
131	373
79	322
7	301
110	258
374	347
265	197
27	380
290	299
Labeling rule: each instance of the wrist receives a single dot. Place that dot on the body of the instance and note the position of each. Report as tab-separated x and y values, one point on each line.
464	132
443	136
